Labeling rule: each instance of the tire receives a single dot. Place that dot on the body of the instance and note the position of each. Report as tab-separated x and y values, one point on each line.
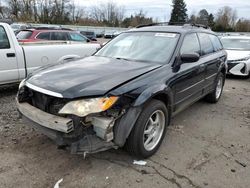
214	96
248	76
145	127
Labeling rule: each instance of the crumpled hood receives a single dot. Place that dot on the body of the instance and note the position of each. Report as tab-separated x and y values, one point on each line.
237	54
91	76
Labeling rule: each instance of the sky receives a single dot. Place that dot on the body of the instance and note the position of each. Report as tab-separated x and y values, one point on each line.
161	9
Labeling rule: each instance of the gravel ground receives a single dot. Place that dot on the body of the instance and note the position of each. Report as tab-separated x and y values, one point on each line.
206	146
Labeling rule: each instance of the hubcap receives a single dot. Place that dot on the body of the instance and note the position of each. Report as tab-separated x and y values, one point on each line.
219	87
153	130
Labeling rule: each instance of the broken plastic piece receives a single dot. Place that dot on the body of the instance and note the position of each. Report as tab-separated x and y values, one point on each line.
141	163
57	183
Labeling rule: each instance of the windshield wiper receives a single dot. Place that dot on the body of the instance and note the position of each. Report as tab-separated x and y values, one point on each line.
121	58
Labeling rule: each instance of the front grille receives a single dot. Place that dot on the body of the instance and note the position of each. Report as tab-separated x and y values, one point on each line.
244	69
41	101
231	65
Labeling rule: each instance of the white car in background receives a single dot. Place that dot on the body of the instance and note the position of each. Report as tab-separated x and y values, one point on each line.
17	61
238	50
19	26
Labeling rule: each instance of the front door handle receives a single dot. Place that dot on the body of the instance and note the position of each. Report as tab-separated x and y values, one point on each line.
11	55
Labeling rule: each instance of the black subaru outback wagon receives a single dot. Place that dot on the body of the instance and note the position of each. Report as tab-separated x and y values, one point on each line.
126	93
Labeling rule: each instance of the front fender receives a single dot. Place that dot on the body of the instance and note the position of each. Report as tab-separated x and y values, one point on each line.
152	92
126	123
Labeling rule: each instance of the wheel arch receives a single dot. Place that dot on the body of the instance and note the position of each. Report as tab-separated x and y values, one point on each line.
68	58
223	70
125	124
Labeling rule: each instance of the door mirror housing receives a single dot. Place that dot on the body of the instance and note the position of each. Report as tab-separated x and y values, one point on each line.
190	58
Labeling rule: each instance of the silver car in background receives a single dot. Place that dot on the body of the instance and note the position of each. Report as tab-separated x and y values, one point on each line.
238	50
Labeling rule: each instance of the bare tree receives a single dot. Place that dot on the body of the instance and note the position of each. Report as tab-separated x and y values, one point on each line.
243	25
108	13
226	18
77	12
137	19
15	7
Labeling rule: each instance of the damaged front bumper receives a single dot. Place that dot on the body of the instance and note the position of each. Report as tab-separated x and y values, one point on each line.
62	130
238	68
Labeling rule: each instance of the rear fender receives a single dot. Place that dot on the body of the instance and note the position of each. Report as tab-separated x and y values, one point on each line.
68	58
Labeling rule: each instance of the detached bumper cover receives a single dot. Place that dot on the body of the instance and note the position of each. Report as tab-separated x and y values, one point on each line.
44	119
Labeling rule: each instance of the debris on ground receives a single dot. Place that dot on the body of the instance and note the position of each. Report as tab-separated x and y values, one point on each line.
241	163
177	128
140	163
57	183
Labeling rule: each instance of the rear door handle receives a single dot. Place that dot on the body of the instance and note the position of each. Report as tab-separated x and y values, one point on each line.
202	66
11	55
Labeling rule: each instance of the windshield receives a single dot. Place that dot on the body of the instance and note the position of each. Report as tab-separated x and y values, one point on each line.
236	44
141	46
24	35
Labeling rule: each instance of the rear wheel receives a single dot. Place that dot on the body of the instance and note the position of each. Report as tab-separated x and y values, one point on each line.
149	130
214	96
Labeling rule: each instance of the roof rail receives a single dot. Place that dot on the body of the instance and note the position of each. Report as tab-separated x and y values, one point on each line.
197	25
184	24
160	24
52	28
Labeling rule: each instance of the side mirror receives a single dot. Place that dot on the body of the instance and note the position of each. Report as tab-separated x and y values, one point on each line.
190	58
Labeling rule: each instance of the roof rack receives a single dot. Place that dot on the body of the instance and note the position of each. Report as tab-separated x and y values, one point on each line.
160	24
184	24
52	28
196	25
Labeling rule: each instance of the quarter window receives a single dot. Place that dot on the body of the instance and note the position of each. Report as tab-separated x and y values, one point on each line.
4	41
190	44
206	44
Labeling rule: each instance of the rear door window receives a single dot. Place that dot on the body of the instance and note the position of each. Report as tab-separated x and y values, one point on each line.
206	44
190	44
44	36
4	41
216	43
63	36
24	35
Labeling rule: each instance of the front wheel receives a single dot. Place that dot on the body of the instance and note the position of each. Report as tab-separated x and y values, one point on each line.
149	130
214	96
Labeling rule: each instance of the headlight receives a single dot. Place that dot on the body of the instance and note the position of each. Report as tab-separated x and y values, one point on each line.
22	83
243	59
85	107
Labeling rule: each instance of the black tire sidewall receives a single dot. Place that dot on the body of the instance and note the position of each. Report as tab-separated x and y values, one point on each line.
221	75
139	127
211	97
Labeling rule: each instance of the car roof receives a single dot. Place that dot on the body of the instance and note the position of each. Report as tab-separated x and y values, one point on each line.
173	29
48	30
236	37
88	31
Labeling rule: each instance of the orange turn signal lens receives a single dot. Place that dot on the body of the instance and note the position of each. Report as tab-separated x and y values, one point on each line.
106	103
